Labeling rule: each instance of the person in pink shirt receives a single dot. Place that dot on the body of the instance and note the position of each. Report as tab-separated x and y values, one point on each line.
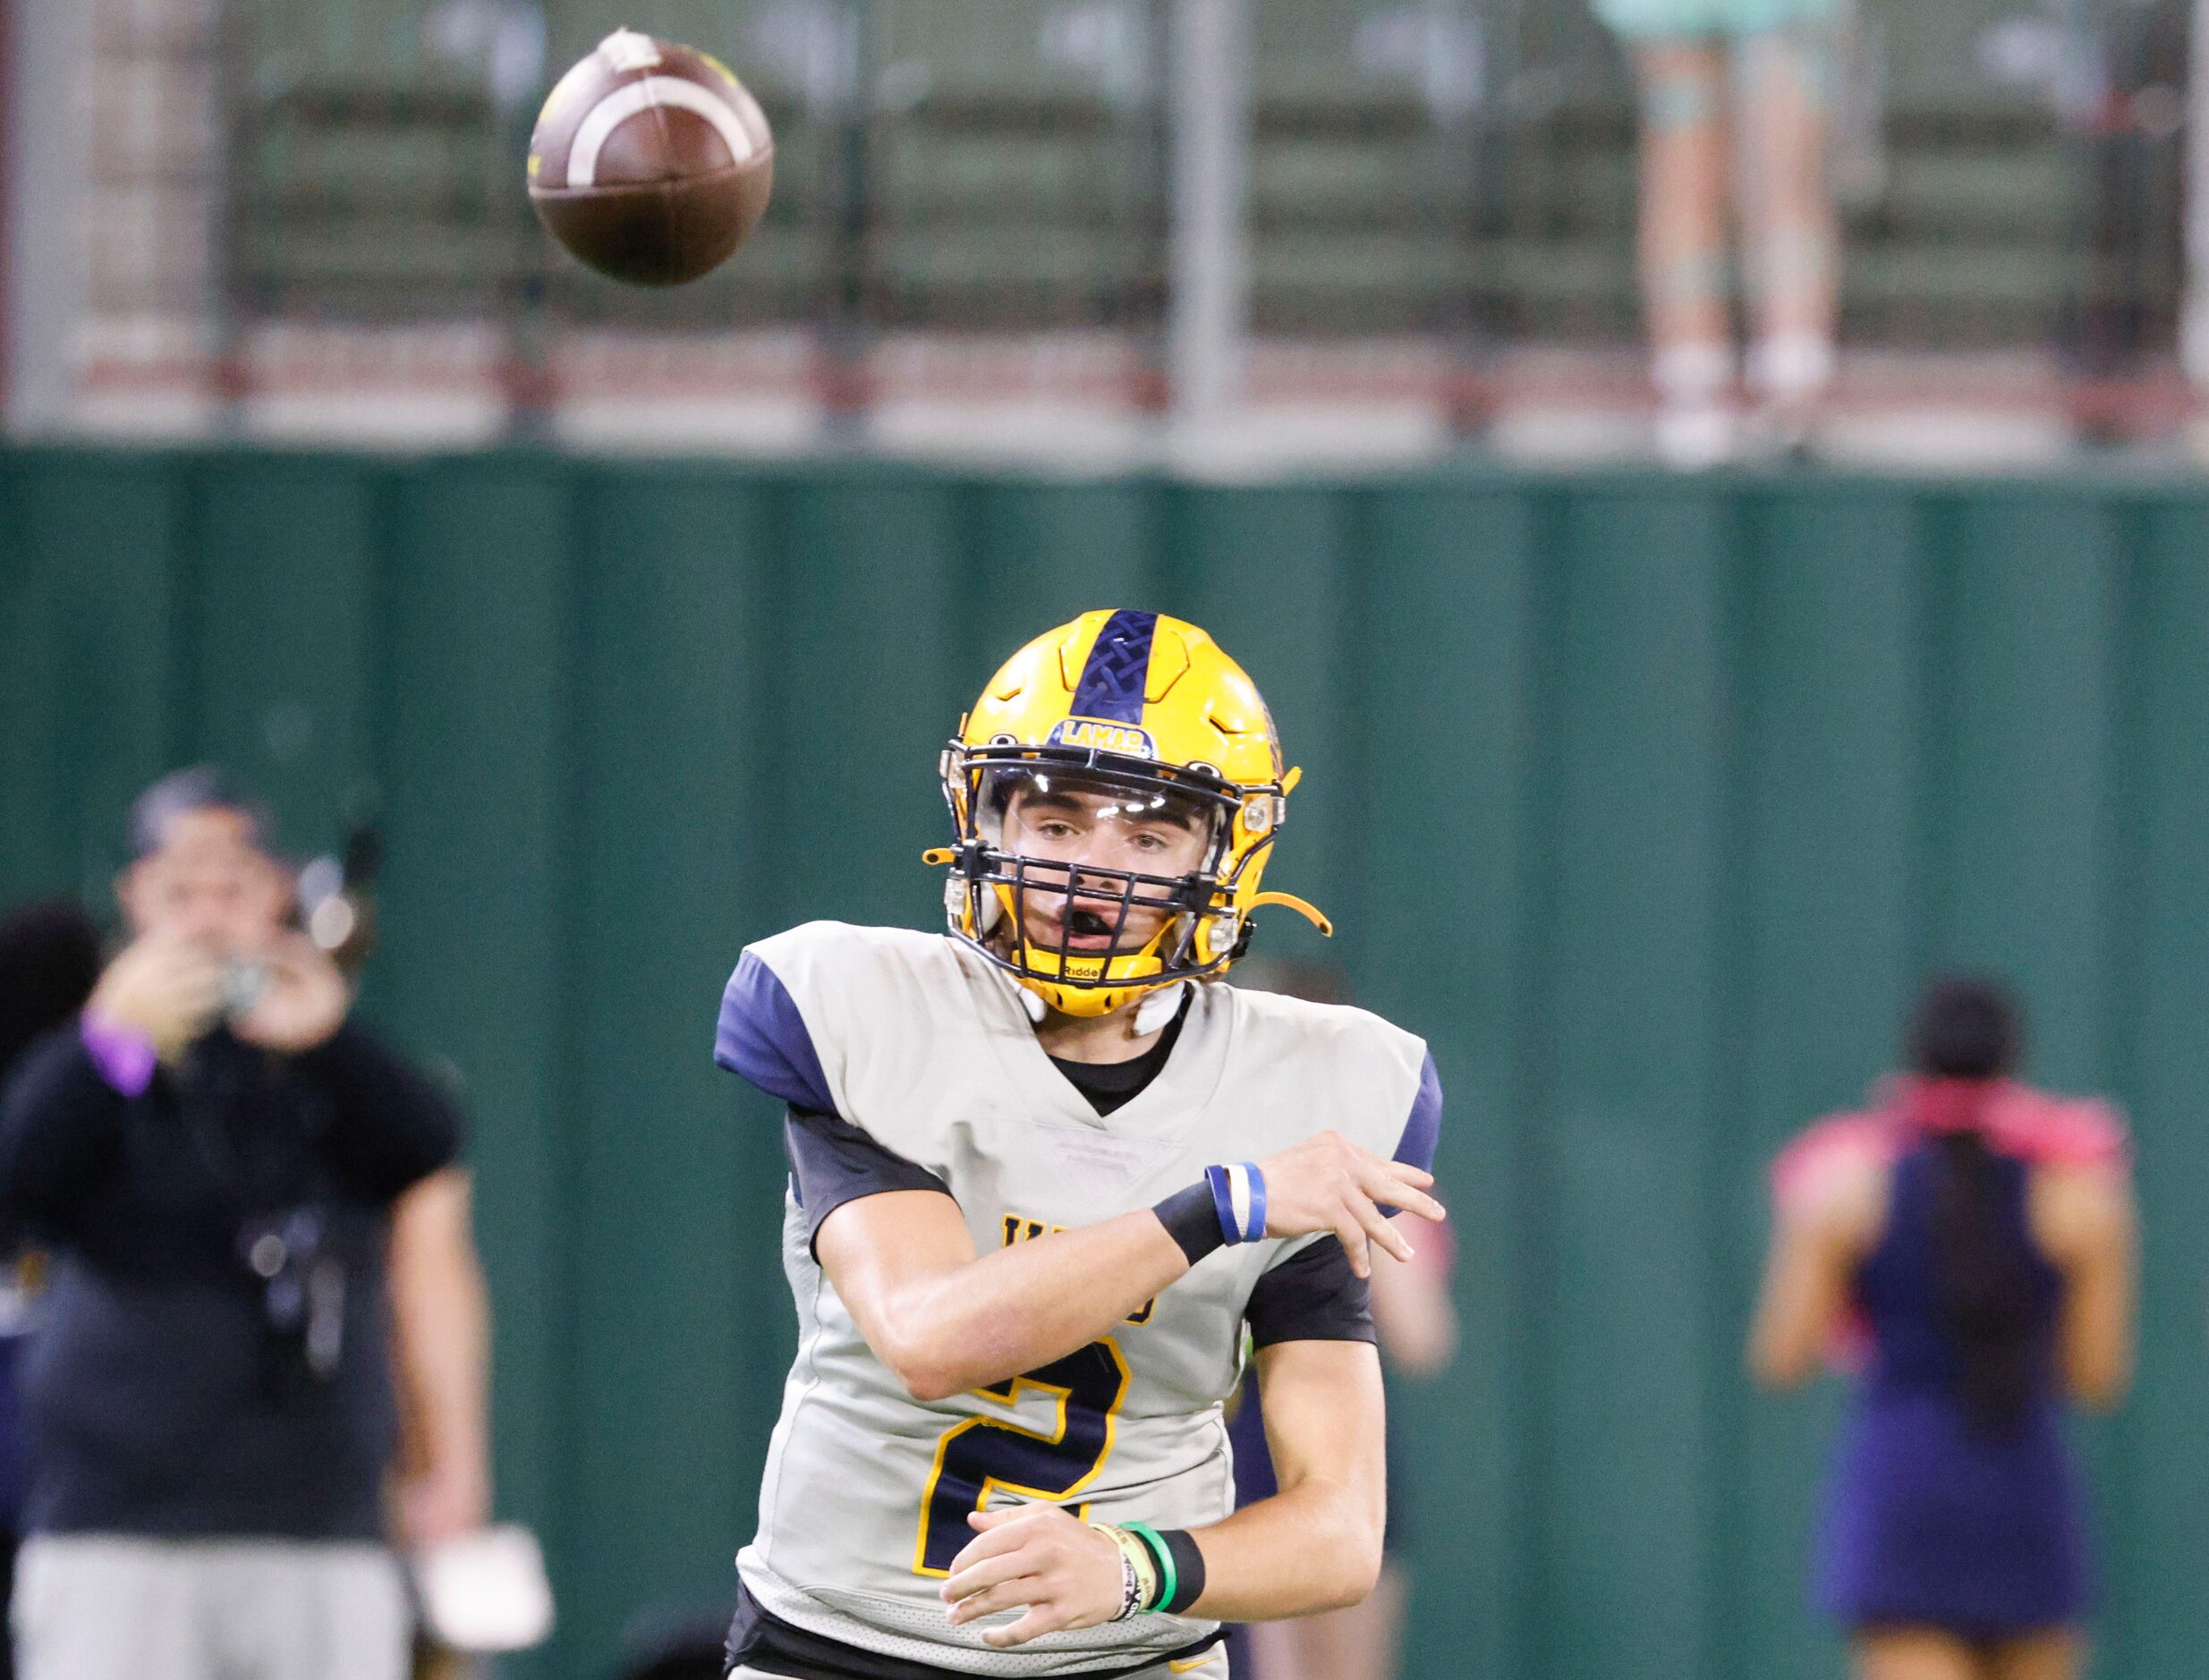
1966	1247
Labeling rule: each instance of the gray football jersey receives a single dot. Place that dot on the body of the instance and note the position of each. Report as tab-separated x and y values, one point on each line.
923	1045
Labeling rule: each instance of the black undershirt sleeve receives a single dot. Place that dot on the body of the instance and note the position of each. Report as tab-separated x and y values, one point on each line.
832	1162
1311	1297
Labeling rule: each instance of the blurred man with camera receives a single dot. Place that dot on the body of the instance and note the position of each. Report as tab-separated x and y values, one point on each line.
211	1155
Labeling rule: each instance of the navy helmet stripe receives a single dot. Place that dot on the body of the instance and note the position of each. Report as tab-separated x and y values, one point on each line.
1118	667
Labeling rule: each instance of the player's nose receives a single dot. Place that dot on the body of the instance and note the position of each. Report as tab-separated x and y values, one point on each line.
1097	876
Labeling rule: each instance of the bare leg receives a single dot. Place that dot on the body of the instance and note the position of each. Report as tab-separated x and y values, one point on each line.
2057	1656
1683	244
1916	1654
1790	234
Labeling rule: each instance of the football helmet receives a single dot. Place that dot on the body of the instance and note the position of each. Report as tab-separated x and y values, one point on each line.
1149	712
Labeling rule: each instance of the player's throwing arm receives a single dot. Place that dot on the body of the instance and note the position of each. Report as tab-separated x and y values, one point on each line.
1047	1182
945	1320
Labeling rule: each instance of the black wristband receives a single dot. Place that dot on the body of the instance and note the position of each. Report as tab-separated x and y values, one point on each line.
1191	1219
1188	1570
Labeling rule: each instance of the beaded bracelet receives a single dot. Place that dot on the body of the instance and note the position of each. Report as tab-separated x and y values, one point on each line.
1180	1567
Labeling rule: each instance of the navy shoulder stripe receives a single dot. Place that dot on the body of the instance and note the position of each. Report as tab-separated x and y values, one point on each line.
1423	1126
762	1038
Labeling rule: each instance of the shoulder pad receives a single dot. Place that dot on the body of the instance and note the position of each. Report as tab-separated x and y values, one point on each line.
1387	1074
1424	1127
788	1013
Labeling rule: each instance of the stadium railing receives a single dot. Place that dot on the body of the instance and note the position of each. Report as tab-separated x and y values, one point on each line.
1457	173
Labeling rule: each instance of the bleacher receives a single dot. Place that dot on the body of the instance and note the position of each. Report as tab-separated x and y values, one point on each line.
365	181
1437	166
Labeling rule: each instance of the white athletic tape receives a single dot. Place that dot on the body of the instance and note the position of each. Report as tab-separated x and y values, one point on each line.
630	98
1238	1198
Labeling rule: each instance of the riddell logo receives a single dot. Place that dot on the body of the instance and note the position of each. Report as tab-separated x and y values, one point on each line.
1102	737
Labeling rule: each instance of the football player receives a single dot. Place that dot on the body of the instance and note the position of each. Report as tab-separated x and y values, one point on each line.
1048	1182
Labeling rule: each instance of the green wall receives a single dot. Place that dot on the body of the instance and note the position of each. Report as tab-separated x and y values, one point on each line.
1646	799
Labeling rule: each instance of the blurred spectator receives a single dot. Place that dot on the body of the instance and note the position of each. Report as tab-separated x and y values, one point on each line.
210	1157
49	961
1775	57
1972	1240
2134	213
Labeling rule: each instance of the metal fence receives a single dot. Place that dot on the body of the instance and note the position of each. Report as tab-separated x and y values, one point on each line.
2011	176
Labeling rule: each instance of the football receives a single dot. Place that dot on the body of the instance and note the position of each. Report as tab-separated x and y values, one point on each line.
650	162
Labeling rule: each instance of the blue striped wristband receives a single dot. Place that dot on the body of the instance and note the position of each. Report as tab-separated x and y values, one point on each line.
1239	1198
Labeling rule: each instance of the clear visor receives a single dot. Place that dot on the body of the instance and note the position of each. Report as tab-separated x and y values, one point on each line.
1083	815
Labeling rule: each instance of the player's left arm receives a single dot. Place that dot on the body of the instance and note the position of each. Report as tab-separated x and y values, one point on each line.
1314	1546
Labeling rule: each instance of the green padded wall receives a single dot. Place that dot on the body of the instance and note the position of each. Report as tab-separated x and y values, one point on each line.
1647	800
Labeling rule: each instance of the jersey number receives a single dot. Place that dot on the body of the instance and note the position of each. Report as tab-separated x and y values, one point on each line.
986	1454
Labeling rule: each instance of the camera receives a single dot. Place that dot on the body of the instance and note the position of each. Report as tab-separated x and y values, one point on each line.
302	1278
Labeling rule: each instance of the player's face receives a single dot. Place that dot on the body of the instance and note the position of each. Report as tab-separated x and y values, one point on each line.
209	882
1141	832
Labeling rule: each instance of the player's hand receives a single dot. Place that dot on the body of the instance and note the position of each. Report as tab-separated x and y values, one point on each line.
304	1001
1327	1183
166	986
1065	1572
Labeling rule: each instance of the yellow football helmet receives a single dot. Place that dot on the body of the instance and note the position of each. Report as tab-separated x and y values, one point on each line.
1149	710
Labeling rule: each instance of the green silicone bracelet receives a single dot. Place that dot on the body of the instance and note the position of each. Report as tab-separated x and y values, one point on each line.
1169	1582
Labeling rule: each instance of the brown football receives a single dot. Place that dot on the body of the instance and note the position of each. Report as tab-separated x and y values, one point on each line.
650	161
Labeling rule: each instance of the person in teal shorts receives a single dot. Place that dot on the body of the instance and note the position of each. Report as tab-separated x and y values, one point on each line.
1773	58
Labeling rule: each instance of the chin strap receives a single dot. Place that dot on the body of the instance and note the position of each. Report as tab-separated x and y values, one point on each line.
1154	1014
1309	912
